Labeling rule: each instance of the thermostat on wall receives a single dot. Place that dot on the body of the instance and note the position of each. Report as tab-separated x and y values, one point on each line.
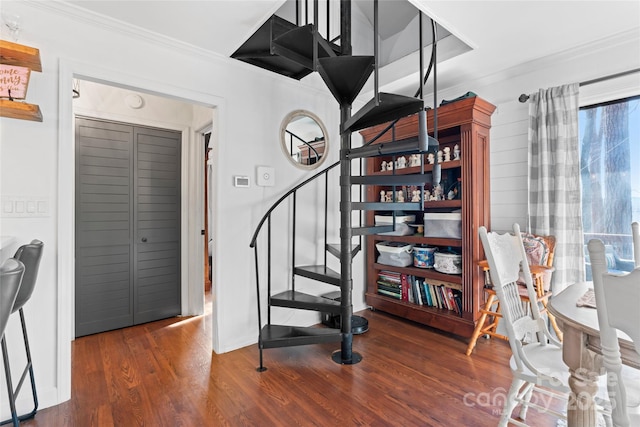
241	181
265	176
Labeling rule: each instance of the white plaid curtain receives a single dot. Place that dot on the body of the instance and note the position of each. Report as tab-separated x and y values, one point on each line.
554	179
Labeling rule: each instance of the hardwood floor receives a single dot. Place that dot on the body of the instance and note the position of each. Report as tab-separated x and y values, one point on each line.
165	374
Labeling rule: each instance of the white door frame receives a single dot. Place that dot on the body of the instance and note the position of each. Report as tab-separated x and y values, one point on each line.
192	206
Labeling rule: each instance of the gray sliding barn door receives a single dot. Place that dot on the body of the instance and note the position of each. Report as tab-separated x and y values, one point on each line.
127	225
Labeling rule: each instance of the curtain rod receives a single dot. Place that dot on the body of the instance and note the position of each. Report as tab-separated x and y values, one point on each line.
525	98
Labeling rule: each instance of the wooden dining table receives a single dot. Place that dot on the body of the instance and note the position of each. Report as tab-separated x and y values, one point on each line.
582	353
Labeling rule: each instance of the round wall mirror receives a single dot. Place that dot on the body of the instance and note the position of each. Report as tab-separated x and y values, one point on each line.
303	138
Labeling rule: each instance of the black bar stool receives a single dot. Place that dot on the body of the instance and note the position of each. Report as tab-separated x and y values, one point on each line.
29	255
11	274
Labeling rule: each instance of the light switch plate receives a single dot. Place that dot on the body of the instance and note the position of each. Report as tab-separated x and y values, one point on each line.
266	176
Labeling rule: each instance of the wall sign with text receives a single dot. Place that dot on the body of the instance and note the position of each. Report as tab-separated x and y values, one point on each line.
14	81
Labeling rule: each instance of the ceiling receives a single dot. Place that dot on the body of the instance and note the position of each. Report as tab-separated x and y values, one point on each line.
490	36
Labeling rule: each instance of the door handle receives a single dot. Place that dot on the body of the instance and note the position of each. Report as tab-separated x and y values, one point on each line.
144	239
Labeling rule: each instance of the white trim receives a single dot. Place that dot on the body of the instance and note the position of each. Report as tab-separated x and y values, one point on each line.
66	206
610	90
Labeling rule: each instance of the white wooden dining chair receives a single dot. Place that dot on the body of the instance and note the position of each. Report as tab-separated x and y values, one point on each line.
618	305
536	366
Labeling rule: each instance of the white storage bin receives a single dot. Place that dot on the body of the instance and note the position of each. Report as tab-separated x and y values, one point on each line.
446	225
402	229
393	247
388	219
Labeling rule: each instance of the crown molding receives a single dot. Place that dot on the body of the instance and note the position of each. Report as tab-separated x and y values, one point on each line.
543	64
95	19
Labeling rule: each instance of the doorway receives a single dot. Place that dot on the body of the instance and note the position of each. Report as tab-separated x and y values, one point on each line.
210	109
208	213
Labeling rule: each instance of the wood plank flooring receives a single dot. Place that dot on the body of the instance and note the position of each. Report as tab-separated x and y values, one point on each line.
165	374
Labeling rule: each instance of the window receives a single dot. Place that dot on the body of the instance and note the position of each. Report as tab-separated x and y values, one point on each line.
610	174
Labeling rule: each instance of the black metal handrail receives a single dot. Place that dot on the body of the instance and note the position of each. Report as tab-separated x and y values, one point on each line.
267	218
284	197
309	146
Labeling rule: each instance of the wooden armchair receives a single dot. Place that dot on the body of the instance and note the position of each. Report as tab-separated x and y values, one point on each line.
540	252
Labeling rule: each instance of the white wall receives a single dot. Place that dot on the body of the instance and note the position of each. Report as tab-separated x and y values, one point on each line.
250	104
510	120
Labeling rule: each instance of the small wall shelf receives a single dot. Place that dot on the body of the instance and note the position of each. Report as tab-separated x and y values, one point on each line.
20	56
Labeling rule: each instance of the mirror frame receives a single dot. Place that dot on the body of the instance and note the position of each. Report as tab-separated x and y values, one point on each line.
283	142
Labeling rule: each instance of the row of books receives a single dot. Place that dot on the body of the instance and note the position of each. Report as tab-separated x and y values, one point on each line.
420	291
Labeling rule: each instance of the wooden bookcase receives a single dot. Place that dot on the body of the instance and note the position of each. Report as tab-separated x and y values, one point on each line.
465	123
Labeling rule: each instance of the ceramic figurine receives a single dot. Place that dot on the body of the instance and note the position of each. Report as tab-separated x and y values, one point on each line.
383	166
427	195
451	195
400	197
388	197
414	160
430	158
437	193
383	197
415	196
447	154
456	152
439	156
402	162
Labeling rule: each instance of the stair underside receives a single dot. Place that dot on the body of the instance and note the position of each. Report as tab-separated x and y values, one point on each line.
364	231
335	249
345	75
257	50
385	206
297	45
273	336
318	272
407	146
299	300
382	109
389	180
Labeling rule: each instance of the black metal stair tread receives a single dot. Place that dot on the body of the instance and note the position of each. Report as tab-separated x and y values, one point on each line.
363	231
407	146
335	249
297	45
257	49
318	272
300	300
345	75
385	108
273	336
386	206
387	180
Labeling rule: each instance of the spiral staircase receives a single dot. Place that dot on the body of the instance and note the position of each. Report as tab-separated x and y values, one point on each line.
296	51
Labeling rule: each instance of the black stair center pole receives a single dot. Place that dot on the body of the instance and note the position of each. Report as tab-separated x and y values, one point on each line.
345	356
346	234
